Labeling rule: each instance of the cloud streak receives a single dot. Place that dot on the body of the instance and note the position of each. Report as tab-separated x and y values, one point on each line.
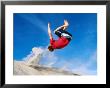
35	21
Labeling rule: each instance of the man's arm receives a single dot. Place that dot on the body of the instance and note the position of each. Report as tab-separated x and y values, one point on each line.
49	31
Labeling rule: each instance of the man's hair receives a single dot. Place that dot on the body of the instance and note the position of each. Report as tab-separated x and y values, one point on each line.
50	48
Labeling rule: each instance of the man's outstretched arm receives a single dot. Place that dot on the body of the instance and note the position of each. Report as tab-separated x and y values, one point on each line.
49	31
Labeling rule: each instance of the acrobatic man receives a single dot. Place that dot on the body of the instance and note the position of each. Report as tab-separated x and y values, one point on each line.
64	37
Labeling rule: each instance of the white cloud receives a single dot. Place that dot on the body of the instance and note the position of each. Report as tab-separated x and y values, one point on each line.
42	56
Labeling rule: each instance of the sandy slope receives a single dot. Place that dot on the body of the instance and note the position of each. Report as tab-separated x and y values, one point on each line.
22	68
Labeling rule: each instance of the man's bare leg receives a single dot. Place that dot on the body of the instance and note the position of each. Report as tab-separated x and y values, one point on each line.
63	27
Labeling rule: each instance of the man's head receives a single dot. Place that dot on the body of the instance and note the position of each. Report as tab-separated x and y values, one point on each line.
50	48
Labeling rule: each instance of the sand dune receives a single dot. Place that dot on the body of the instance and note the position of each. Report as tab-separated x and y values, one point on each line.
22	68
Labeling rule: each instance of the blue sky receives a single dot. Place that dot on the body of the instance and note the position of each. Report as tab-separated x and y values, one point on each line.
30	30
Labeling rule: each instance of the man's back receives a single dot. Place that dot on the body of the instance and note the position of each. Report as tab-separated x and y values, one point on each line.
60	43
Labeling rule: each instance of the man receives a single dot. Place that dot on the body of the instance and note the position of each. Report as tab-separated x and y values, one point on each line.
64	37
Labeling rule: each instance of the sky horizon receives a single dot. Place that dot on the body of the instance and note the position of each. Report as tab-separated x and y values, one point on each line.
30	30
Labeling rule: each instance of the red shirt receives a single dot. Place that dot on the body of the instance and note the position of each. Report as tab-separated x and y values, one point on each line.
60	43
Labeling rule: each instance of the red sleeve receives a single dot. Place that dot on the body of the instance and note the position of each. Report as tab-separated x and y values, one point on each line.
52	41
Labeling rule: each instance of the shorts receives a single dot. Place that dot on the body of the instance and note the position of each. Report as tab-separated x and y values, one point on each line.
63	33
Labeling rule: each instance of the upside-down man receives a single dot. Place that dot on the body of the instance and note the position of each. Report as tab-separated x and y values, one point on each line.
64	37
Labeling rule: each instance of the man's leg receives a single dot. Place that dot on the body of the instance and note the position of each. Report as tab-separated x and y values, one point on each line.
66	35
63	27
58	32
59	28
63	33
